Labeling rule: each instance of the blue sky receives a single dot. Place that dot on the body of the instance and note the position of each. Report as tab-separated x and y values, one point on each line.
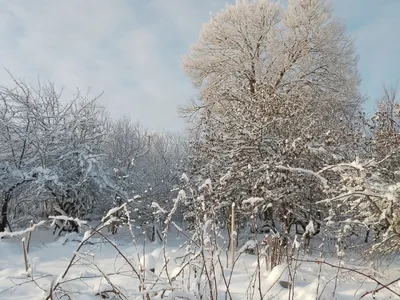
132	49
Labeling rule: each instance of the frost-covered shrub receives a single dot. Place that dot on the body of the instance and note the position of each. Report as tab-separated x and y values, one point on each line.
365	201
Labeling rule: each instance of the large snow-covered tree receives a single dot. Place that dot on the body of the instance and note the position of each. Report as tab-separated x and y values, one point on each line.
278	86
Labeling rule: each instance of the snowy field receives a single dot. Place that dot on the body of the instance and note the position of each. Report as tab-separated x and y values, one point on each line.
99	269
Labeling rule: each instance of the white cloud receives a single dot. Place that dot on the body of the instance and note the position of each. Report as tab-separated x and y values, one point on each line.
95	43
132	50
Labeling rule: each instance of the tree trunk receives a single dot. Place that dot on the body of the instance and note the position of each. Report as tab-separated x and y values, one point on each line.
7	198
4	210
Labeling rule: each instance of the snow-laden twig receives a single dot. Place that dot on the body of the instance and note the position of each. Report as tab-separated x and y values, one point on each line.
253	200
158	207
79	222
112	211
21	232
323	180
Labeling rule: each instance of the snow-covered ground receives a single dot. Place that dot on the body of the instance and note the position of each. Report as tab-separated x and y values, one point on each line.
100	267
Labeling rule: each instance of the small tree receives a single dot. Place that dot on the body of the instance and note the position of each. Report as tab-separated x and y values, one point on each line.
144	164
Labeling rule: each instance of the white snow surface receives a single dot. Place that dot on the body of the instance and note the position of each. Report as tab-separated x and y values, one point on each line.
49	256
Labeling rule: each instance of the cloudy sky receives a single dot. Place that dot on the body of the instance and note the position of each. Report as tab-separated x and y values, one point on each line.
131	49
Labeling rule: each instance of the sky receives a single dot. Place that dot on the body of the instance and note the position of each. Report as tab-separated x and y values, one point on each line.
131	49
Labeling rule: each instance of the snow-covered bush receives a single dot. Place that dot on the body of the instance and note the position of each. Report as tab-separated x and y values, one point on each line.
366	201
51	153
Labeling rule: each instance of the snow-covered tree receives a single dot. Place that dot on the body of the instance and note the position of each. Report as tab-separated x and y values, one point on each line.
383	128
127	143
77	159
146	166
51	147
18	157
278	86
